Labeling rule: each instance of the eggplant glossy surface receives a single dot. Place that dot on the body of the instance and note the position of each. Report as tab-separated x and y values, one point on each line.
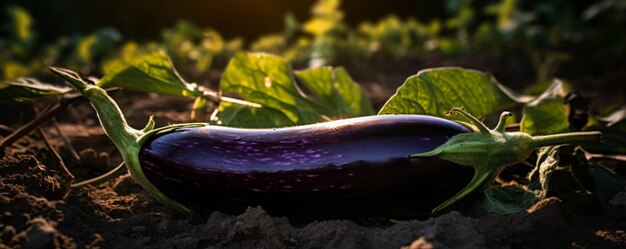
346	168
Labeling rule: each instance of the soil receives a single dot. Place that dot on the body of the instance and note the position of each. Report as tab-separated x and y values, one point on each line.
38	209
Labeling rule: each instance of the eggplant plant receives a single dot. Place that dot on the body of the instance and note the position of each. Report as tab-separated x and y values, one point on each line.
405	159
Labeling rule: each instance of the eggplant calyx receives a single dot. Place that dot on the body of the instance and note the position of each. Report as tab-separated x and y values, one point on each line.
488	151
127	139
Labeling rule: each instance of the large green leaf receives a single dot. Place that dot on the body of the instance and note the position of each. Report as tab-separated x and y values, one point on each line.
267	80
547	114
26	90
335	88
149	73
436	91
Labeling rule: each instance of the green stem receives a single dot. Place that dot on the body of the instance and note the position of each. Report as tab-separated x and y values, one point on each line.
127	140
565	138
108	111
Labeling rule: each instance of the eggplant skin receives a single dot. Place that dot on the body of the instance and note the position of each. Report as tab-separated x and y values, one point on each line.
346	168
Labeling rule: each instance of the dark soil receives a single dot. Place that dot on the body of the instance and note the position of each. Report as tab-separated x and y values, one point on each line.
39	210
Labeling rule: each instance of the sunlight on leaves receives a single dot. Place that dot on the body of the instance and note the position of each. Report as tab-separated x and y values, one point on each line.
21	22
149	73
19	34
547	114
235	115
436	91
25	90
97	44
335	88
267	80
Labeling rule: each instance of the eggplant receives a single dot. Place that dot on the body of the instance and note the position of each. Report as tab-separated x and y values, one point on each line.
357	166
373	166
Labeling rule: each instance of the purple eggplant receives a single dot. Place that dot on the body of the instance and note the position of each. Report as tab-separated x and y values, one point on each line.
379	165
357	166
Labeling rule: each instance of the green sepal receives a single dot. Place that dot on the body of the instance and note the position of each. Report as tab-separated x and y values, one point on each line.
150	125
488	151
128	141
134	166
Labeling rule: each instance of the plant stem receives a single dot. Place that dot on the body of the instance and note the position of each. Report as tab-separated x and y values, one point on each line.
48	114
565	138
127	140
117	171
217	98
41	119
6	128
55	153
66	140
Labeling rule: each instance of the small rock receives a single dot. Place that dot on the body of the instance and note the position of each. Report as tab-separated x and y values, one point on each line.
40	234
420	243
97	242
545	203
7	233
217	218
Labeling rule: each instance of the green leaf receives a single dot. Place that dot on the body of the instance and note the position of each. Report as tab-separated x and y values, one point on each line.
600	180
436	91
613	129
97	44
149	73
267	80
337	89
508	200
616	121
236	115
21	36
547	114
20	23
25	90
606	181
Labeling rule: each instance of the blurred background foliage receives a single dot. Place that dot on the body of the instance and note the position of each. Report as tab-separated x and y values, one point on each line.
96	38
